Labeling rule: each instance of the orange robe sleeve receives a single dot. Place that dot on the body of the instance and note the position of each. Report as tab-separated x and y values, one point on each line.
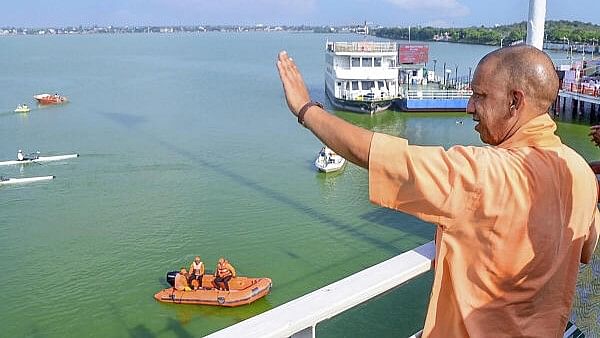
430	183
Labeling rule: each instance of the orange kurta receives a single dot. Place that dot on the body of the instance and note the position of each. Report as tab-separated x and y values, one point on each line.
513	223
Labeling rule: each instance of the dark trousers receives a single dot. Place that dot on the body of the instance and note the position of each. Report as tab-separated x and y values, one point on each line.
196	277
223	280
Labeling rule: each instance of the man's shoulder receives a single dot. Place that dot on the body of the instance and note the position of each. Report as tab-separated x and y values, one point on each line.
478	152
575	161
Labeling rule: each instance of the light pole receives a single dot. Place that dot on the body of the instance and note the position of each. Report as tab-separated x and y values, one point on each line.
569	49
444	74
469	77
456	75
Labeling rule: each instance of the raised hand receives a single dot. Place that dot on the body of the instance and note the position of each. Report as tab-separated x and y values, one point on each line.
295	90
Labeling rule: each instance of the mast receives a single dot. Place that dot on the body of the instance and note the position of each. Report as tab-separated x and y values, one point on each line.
535	23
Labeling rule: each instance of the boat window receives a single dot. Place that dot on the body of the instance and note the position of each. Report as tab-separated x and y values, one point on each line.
377	62
366	85
381	84
354	85
355	62
367	62
347	85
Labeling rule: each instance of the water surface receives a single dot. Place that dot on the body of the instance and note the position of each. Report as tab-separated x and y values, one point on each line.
187	148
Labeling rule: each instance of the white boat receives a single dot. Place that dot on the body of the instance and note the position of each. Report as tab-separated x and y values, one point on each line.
328	161
10	180
40	159
22	108
361	76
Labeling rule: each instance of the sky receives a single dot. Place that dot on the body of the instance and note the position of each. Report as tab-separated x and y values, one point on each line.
441	13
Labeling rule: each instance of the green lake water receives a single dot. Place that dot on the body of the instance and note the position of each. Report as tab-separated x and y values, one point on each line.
187	148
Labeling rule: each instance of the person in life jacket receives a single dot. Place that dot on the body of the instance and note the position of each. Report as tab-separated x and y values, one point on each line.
223	274
20	156
196	273
181	281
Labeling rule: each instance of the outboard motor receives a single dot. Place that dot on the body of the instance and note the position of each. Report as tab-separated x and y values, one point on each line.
171	277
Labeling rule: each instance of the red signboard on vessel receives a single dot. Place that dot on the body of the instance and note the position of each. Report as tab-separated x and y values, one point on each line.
413	54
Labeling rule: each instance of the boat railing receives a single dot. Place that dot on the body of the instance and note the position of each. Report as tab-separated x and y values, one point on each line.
367	96
417	94
362	46
299	317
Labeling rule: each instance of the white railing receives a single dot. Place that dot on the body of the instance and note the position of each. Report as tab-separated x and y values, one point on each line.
362	46
299	317
367	95
438	94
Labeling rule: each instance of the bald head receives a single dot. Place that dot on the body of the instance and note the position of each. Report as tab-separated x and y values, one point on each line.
528	69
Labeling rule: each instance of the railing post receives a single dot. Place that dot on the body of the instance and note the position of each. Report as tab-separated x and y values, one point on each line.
309	332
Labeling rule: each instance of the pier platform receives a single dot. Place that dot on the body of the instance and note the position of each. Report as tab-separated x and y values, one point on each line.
578	103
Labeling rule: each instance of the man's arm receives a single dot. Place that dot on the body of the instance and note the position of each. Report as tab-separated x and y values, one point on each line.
232	269
346	139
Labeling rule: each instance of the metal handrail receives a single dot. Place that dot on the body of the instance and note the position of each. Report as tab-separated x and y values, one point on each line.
438	94
362	46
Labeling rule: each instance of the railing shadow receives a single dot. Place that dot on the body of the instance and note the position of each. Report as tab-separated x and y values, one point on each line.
132	122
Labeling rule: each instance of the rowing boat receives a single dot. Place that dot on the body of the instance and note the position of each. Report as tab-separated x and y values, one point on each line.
5	181
40	159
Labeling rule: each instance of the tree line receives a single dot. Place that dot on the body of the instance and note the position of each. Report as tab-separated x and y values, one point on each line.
555	31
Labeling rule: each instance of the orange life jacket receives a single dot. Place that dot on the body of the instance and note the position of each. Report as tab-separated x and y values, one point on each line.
223	271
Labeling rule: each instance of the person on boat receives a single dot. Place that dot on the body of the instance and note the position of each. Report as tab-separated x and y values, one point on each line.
181	281
20	156
514	219
595	134
196	273
223	274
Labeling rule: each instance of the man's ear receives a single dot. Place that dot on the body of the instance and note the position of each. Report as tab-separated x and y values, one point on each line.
517	101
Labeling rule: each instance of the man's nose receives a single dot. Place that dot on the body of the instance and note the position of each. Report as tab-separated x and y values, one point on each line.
470	107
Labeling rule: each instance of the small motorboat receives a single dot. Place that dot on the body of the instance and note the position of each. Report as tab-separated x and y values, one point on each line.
328	161
50	99
22	108
242	291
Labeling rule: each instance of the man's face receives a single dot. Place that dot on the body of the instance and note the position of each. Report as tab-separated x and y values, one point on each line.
490	104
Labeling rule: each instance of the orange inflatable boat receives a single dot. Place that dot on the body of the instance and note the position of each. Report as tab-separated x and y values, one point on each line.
242	291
